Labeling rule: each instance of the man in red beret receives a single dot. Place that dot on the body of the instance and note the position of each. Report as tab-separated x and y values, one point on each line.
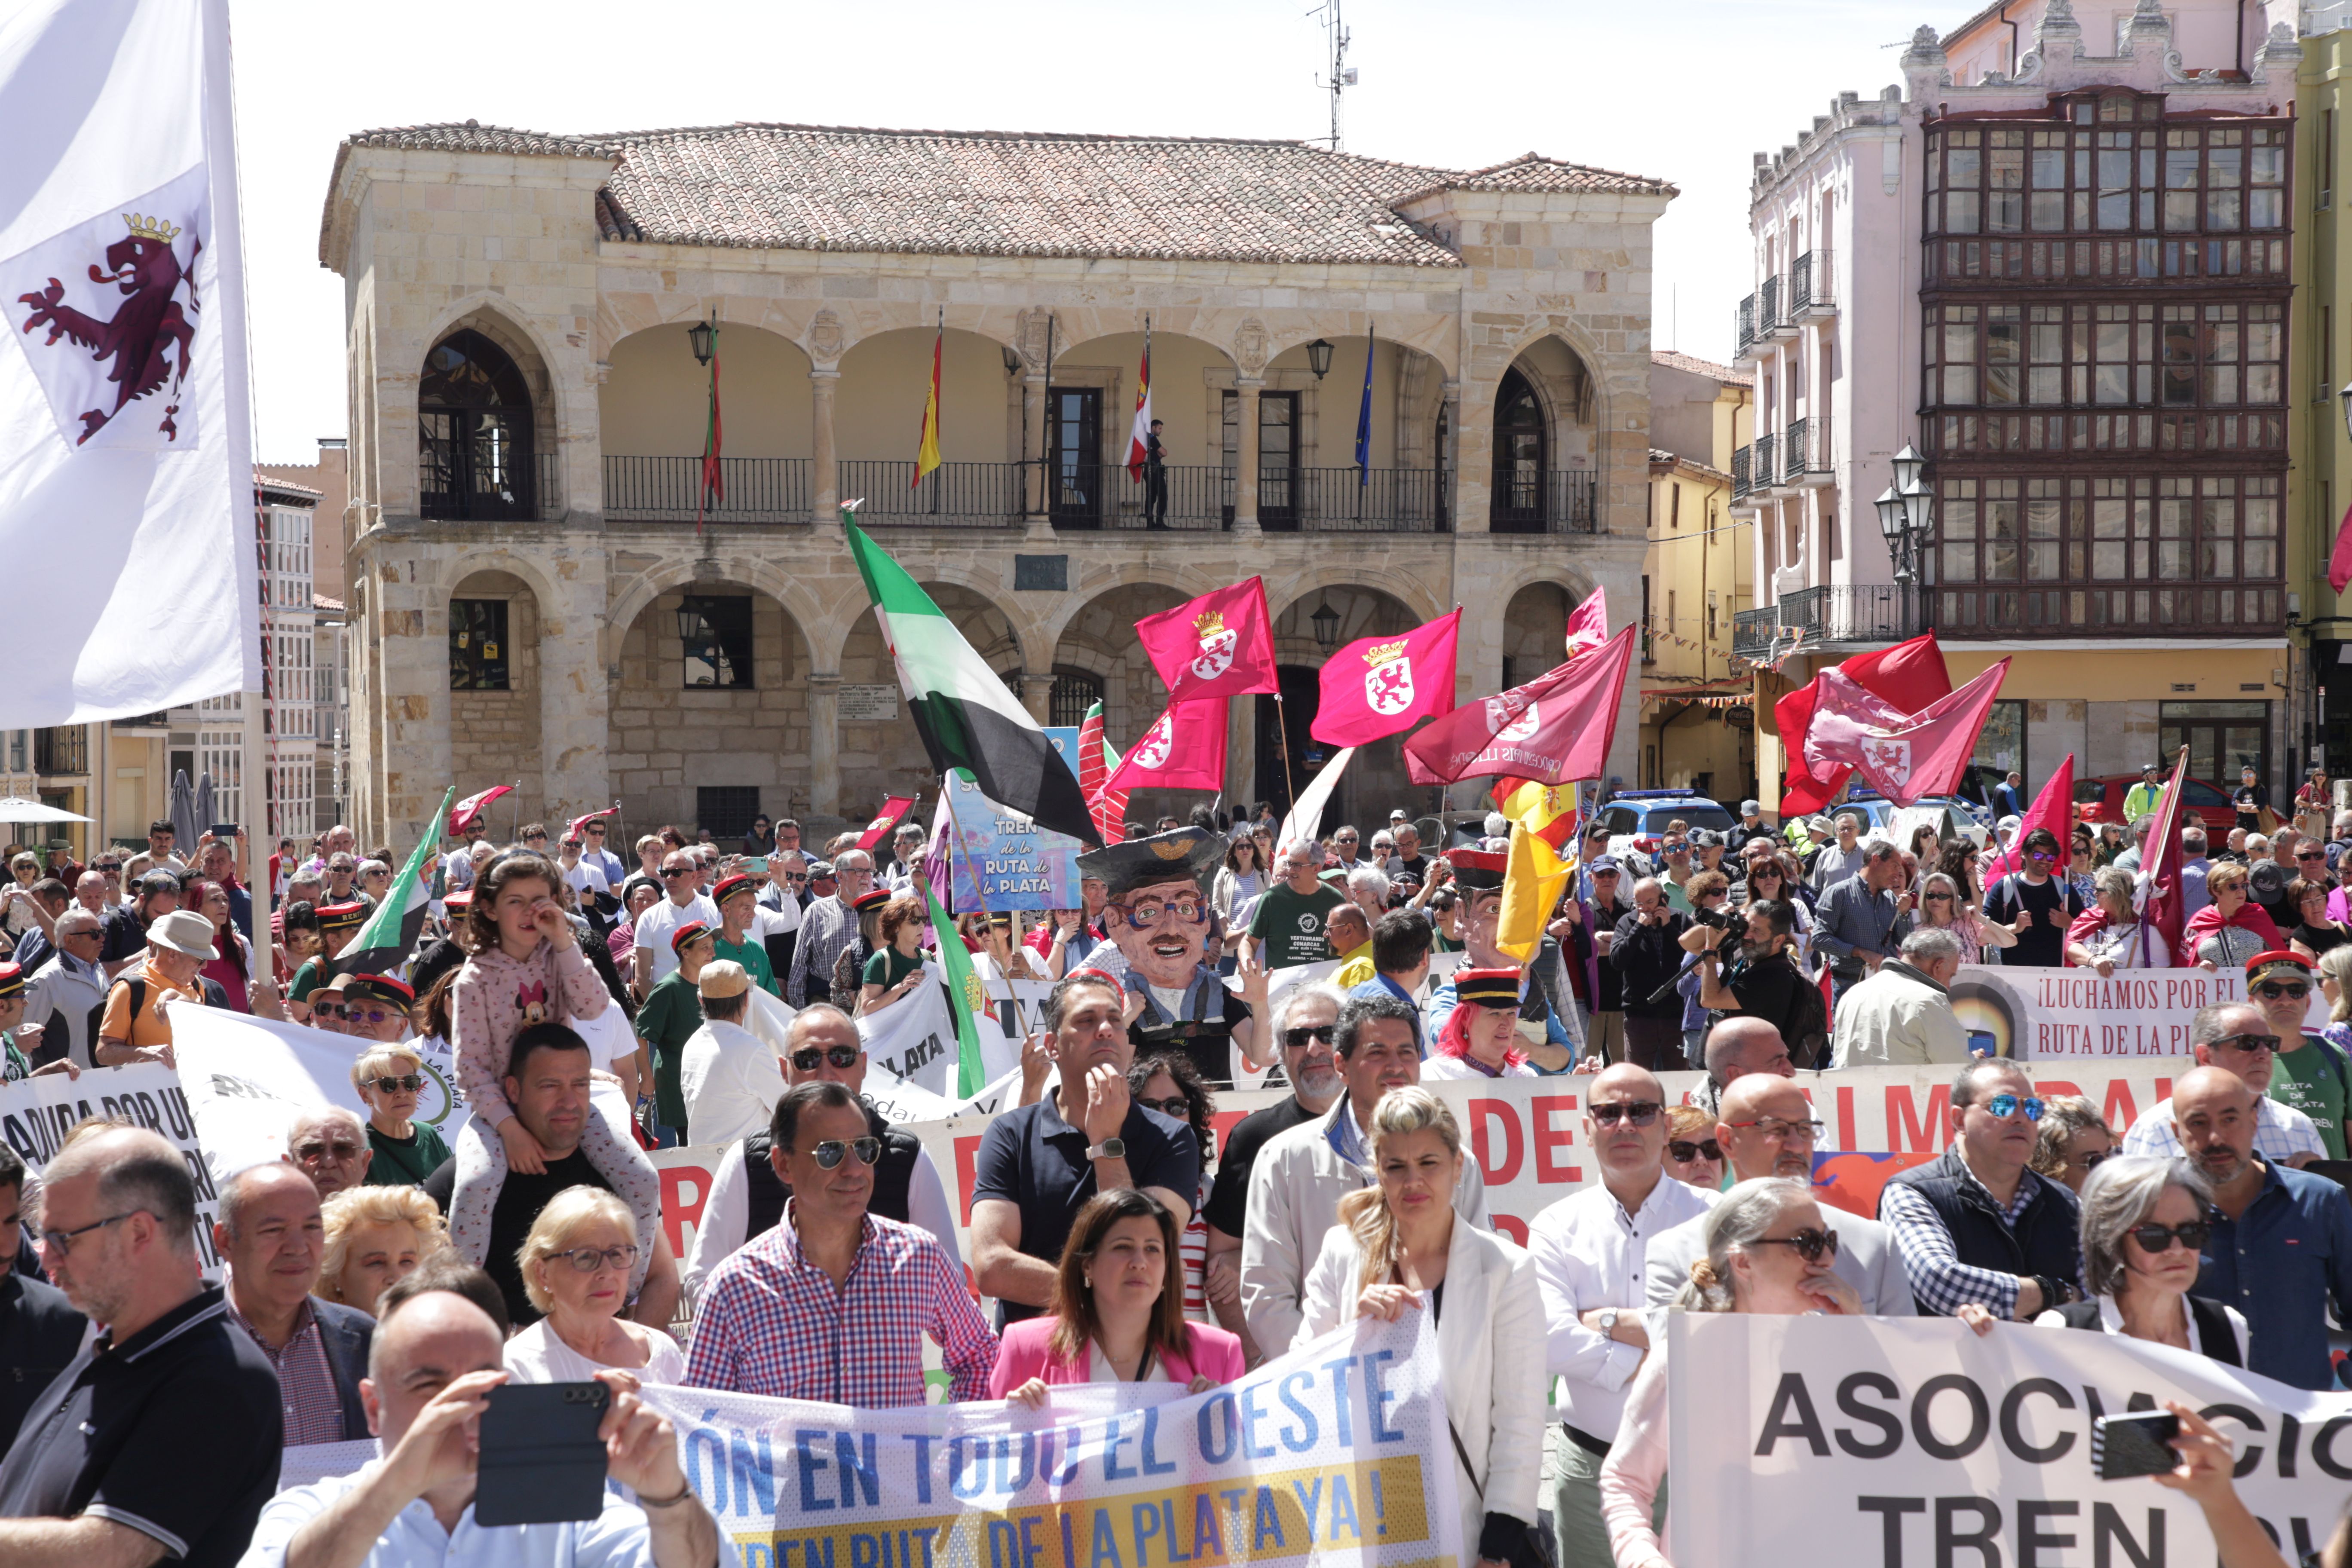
2312	1075
738	898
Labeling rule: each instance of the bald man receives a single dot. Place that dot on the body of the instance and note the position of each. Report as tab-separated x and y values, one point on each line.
436	1356
272	1237
2281	1251
1766	1128
1738	1045
1591	1253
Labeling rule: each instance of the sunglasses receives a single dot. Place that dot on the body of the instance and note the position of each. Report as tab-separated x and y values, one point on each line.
372	1015
842	1056
2311	854
534	838
1176	1107
2093	1160
328	1010
2272	990
1639	1113
1939	897
2040	858
2008	1105
339	1151
1296	1039
2190	1234
681	871
406	1083
833	1151
1781	1127
1684	1153
2249	1042
1811	1243
588	1259
796	876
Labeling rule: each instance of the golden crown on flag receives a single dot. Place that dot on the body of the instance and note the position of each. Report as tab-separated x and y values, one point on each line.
154	228
1209	622
1382	653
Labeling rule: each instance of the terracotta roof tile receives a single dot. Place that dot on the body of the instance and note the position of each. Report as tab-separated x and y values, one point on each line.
474	137
1697	366
1534	172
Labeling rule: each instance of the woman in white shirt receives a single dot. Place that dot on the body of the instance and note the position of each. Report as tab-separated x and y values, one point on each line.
2144	1223
1481	1037
575	1269
1239	883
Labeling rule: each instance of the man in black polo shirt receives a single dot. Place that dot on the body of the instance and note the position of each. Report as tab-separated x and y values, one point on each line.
548	1082
162	1438
1039	1163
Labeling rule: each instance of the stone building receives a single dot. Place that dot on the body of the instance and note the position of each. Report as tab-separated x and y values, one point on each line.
531	597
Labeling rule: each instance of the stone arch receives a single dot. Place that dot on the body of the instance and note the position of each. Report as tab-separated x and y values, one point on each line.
653	399
879	758
497	319
820	624
1535	621
1098	635
1376	778
495	731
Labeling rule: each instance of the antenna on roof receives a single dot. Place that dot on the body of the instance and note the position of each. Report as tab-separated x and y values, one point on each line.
1342	74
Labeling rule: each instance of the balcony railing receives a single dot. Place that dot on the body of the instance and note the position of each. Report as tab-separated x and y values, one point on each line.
1744	328
1742	469
1809	290
2219	611
1101	497
1764	470
666	489
1350	500
1805	452
64	749
953	495
1569	502
1854	613
1771	317
1752	631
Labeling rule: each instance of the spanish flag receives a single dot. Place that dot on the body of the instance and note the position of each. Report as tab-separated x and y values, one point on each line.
1548	811
927	455
1531	886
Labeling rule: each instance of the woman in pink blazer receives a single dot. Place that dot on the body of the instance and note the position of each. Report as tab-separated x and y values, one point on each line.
1118	1312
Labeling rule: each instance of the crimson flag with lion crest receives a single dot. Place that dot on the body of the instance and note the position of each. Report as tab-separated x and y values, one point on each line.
1906	757
1384	685
1219	645
129	470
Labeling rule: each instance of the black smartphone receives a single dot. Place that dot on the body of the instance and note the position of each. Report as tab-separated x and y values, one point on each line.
540	1461
227	831
2140	1444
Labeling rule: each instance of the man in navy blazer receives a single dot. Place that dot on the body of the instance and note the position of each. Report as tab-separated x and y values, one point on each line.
273	1240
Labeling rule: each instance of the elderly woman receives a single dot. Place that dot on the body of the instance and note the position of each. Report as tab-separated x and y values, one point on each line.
2110	935
2230	930
2071	1140
2145	1221
1693	1156
374	1237
1368	889
575	1269
1480	1039
1770	1250
1117	1315
1399	1248
1942	903
896	966
2316	933
624	940
390	1079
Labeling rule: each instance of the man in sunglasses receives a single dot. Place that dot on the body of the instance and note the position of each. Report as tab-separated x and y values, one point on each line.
682	904
2035	904
833	1303
828	926
1977	1225
1766	1127
1299	1176
2236	1038
782	898
2312	1074
331	1146
375	1008
2281	1251
1590	1252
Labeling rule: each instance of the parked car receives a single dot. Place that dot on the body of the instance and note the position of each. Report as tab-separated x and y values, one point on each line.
2102	800
1637	818
1953	818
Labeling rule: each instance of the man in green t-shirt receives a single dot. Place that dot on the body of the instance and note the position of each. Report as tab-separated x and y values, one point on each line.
738	898
671	1013
2311	1076
1289	920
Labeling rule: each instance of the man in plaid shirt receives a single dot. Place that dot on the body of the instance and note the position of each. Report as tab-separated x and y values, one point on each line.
833	1304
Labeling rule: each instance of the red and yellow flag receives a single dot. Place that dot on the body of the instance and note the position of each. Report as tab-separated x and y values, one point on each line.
1548	811
927	455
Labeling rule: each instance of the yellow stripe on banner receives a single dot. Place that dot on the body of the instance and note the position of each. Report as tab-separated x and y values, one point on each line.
1236	1520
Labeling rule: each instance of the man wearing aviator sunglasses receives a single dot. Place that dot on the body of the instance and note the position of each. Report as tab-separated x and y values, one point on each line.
1977	1226
749	1188
2236	1038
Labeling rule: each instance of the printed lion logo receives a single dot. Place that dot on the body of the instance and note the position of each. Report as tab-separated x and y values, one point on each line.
1388	686
147	345
1889	762
1218	642
1159	743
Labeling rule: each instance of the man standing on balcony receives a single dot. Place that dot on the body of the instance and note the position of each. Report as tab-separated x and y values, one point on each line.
1155	479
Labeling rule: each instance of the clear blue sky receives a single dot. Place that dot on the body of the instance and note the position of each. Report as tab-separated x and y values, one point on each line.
1684	94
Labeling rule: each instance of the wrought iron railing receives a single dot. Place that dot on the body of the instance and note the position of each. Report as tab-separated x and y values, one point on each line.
1742	470
1768	307
1765	466
1349	500
953	495
1744	330
1194	498
1856	612
1752	631
668	489
1809	283
1567	500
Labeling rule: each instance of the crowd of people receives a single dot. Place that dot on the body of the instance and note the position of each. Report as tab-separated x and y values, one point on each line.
381	1278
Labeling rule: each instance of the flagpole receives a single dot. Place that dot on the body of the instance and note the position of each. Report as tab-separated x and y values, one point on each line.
514	816
257	839
980	888
1282	728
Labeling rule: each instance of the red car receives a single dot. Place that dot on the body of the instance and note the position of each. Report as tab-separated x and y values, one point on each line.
2102	800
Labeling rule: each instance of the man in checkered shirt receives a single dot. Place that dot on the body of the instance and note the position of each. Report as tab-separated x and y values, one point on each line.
2236	1039
834	1302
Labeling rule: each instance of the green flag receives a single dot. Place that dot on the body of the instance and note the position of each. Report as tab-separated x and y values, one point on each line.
390	936
964	995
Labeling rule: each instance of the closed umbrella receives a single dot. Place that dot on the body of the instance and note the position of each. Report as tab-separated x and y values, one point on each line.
182	808
205	815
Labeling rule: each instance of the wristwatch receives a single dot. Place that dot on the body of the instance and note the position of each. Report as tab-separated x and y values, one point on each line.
1109	1149
1609	1322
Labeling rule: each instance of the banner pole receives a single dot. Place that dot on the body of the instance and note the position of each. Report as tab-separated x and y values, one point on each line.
255	815
980	890
1282	728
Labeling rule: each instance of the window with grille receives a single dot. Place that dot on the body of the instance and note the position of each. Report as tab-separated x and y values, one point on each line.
725	811
719	653
1075	691
478	644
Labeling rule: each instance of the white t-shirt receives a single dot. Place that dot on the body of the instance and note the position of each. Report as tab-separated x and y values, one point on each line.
767	922
655	926
536	1355
584	879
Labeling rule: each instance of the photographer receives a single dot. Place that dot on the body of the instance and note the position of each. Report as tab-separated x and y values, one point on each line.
1646	953
1746	969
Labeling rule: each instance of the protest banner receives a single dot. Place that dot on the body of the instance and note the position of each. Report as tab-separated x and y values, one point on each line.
35	1114
1019	865
913	1040
1335	1454
2044	1012
1911	1440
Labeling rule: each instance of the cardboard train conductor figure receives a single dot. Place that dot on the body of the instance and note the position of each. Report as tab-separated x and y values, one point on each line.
1158	918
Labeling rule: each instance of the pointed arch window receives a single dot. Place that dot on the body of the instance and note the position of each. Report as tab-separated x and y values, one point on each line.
474	434
1522	456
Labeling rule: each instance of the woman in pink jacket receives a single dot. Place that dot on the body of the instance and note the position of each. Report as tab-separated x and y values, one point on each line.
1118	1312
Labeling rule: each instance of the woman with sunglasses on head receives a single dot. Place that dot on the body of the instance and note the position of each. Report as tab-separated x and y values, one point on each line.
1693	1156
2144	1222
1167	1082
390	1080
1941	904
1117	1317
1770	1250
2110	935
2070	1140
575	1269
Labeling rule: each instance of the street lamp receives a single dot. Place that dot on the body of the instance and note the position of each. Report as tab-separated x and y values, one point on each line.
1318	358
1327	626
1011	360
689	625
704	336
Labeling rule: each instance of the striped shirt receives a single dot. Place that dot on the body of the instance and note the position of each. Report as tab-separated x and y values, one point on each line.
305	1383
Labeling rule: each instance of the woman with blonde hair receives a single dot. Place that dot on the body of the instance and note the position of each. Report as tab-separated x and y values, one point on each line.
1401	1239
2336	983
575	1266
390	1080
2071	1140
376	1236
1942	903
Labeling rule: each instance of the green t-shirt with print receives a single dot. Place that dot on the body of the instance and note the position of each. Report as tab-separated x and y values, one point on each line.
1291	925
753	957
2312	1081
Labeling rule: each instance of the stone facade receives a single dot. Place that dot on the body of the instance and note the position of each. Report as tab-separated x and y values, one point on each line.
444	229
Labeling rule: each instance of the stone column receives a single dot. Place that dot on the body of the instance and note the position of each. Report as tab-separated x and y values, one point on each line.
825	743
416	761
1245	457
1449	459
1241	751
824	474
1474	448
1037	694
574	701
1034	493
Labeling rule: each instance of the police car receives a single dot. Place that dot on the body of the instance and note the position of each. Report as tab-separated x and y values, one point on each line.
1637	818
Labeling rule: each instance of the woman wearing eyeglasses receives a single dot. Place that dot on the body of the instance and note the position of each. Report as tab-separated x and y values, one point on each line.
2230	930
1115	1317
2143	1224
1768	1250
1693	1156
1167	1082
390	1080
575	1269
2070	1140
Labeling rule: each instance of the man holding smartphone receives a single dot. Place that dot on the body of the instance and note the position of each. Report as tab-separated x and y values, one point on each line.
437	1356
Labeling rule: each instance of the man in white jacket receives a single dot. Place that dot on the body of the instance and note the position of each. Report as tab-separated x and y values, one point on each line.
1301	1174
1902	1015
730	1076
